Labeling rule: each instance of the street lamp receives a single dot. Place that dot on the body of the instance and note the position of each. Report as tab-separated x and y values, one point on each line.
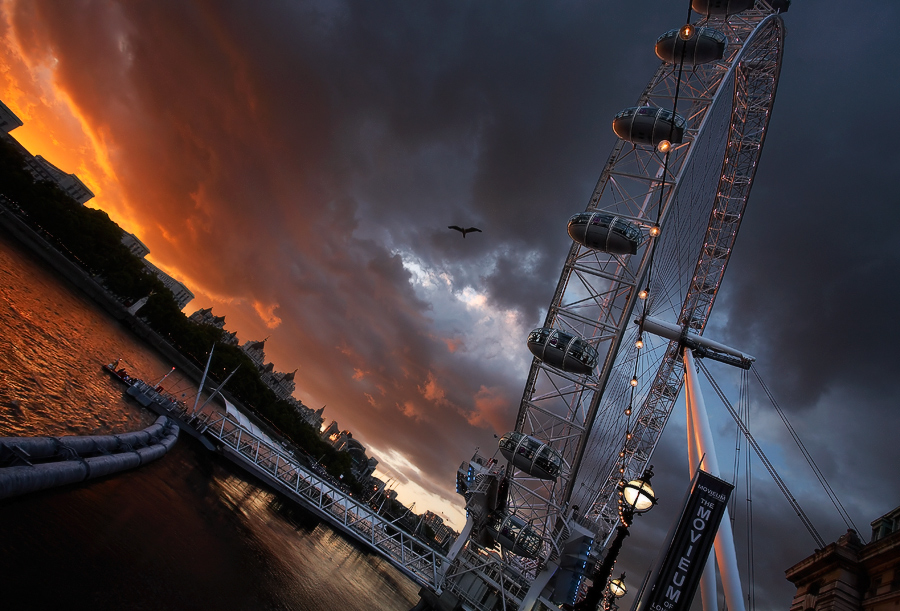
617	586
635	497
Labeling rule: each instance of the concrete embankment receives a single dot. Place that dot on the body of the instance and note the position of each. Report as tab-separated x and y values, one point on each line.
77	459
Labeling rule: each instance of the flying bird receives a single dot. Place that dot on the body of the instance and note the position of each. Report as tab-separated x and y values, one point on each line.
464	231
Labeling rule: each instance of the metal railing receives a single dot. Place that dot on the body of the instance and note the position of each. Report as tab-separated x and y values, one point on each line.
351	516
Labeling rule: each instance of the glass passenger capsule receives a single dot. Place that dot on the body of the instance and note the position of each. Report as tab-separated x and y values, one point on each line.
720	8
605	232
706	45
531	455
563	350
514	534
649	125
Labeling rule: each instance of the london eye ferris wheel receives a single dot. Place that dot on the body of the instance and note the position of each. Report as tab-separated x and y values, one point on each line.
653	242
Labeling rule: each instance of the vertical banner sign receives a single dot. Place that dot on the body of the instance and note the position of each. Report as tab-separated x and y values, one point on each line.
679	575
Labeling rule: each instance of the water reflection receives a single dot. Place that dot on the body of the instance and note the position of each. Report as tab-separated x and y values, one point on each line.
189	531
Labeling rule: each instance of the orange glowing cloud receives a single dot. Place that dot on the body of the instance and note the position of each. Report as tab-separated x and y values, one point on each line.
267	314
491	409
432	391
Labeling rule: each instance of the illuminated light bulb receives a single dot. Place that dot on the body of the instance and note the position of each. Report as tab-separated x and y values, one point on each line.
664	146
634	381
639	344
621	455
643	294
654	231
686	32
628	412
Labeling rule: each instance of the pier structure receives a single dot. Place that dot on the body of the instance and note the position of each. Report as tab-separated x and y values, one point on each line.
278	468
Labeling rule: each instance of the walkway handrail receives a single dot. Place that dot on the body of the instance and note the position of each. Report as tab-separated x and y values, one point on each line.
412	556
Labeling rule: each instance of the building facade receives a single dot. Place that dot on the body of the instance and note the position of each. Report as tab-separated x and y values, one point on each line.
8	119
134	245
181	293
849	575
71	185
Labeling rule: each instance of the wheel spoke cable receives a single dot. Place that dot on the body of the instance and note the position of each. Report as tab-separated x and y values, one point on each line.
820	542
848	521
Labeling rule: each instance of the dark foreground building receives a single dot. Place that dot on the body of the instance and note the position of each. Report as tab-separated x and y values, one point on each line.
850	576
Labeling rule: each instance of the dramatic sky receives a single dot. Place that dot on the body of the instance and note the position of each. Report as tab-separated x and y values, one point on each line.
296	164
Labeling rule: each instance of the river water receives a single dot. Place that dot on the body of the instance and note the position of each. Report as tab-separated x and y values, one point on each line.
189	531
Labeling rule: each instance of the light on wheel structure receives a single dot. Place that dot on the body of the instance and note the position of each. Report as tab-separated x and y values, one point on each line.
686	32
663	146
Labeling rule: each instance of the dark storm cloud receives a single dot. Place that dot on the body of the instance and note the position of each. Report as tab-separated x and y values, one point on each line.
293	159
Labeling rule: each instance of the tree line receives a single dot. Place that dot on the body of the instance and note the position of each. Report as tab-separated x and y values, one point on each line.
89	238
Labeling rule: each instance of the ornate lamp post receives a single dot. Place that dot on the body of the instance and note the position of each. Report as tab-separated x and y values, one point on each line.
617	586
615	591
635	497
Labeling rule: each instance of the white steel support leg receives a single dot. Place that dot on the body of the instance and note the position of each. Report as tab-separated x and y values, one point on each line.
455	548
699	422
538	585
708	579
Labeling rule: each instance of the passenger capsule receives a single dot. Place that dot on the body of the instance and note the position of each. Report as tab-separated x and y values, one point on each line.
648	125
514	534
706	45
606	232
531	455
720	8
563	350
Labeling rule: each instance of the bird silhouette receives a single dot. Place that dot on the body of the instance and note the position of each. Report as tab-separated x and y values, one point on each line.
464	231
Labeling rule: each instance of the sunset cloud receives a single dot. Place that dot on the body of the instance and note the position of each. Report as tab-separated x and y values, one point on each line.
298	163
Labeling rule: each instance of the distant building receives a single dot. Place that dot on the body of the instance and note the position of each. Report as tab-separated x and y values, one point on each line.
851	576
8	119
42	169
312	417
39	167
331	432
134	245
179	290
342	441
204	316
256	351
282	384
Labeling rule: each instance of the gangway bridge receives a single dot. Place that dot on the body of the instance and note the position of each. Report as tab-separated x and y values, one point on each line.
281	470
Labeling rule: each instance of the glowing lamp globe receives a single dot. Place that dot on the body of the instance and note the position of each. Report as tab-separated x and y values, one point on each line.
638	494
664	146
617	586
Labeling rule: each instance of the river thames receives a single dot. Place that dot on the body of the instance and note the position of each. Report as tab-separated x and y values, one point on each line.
189	531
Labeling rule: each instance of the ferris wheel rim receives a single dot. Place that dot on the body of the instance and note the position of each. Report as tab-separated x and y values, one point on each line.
775	22
600	381
559	518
